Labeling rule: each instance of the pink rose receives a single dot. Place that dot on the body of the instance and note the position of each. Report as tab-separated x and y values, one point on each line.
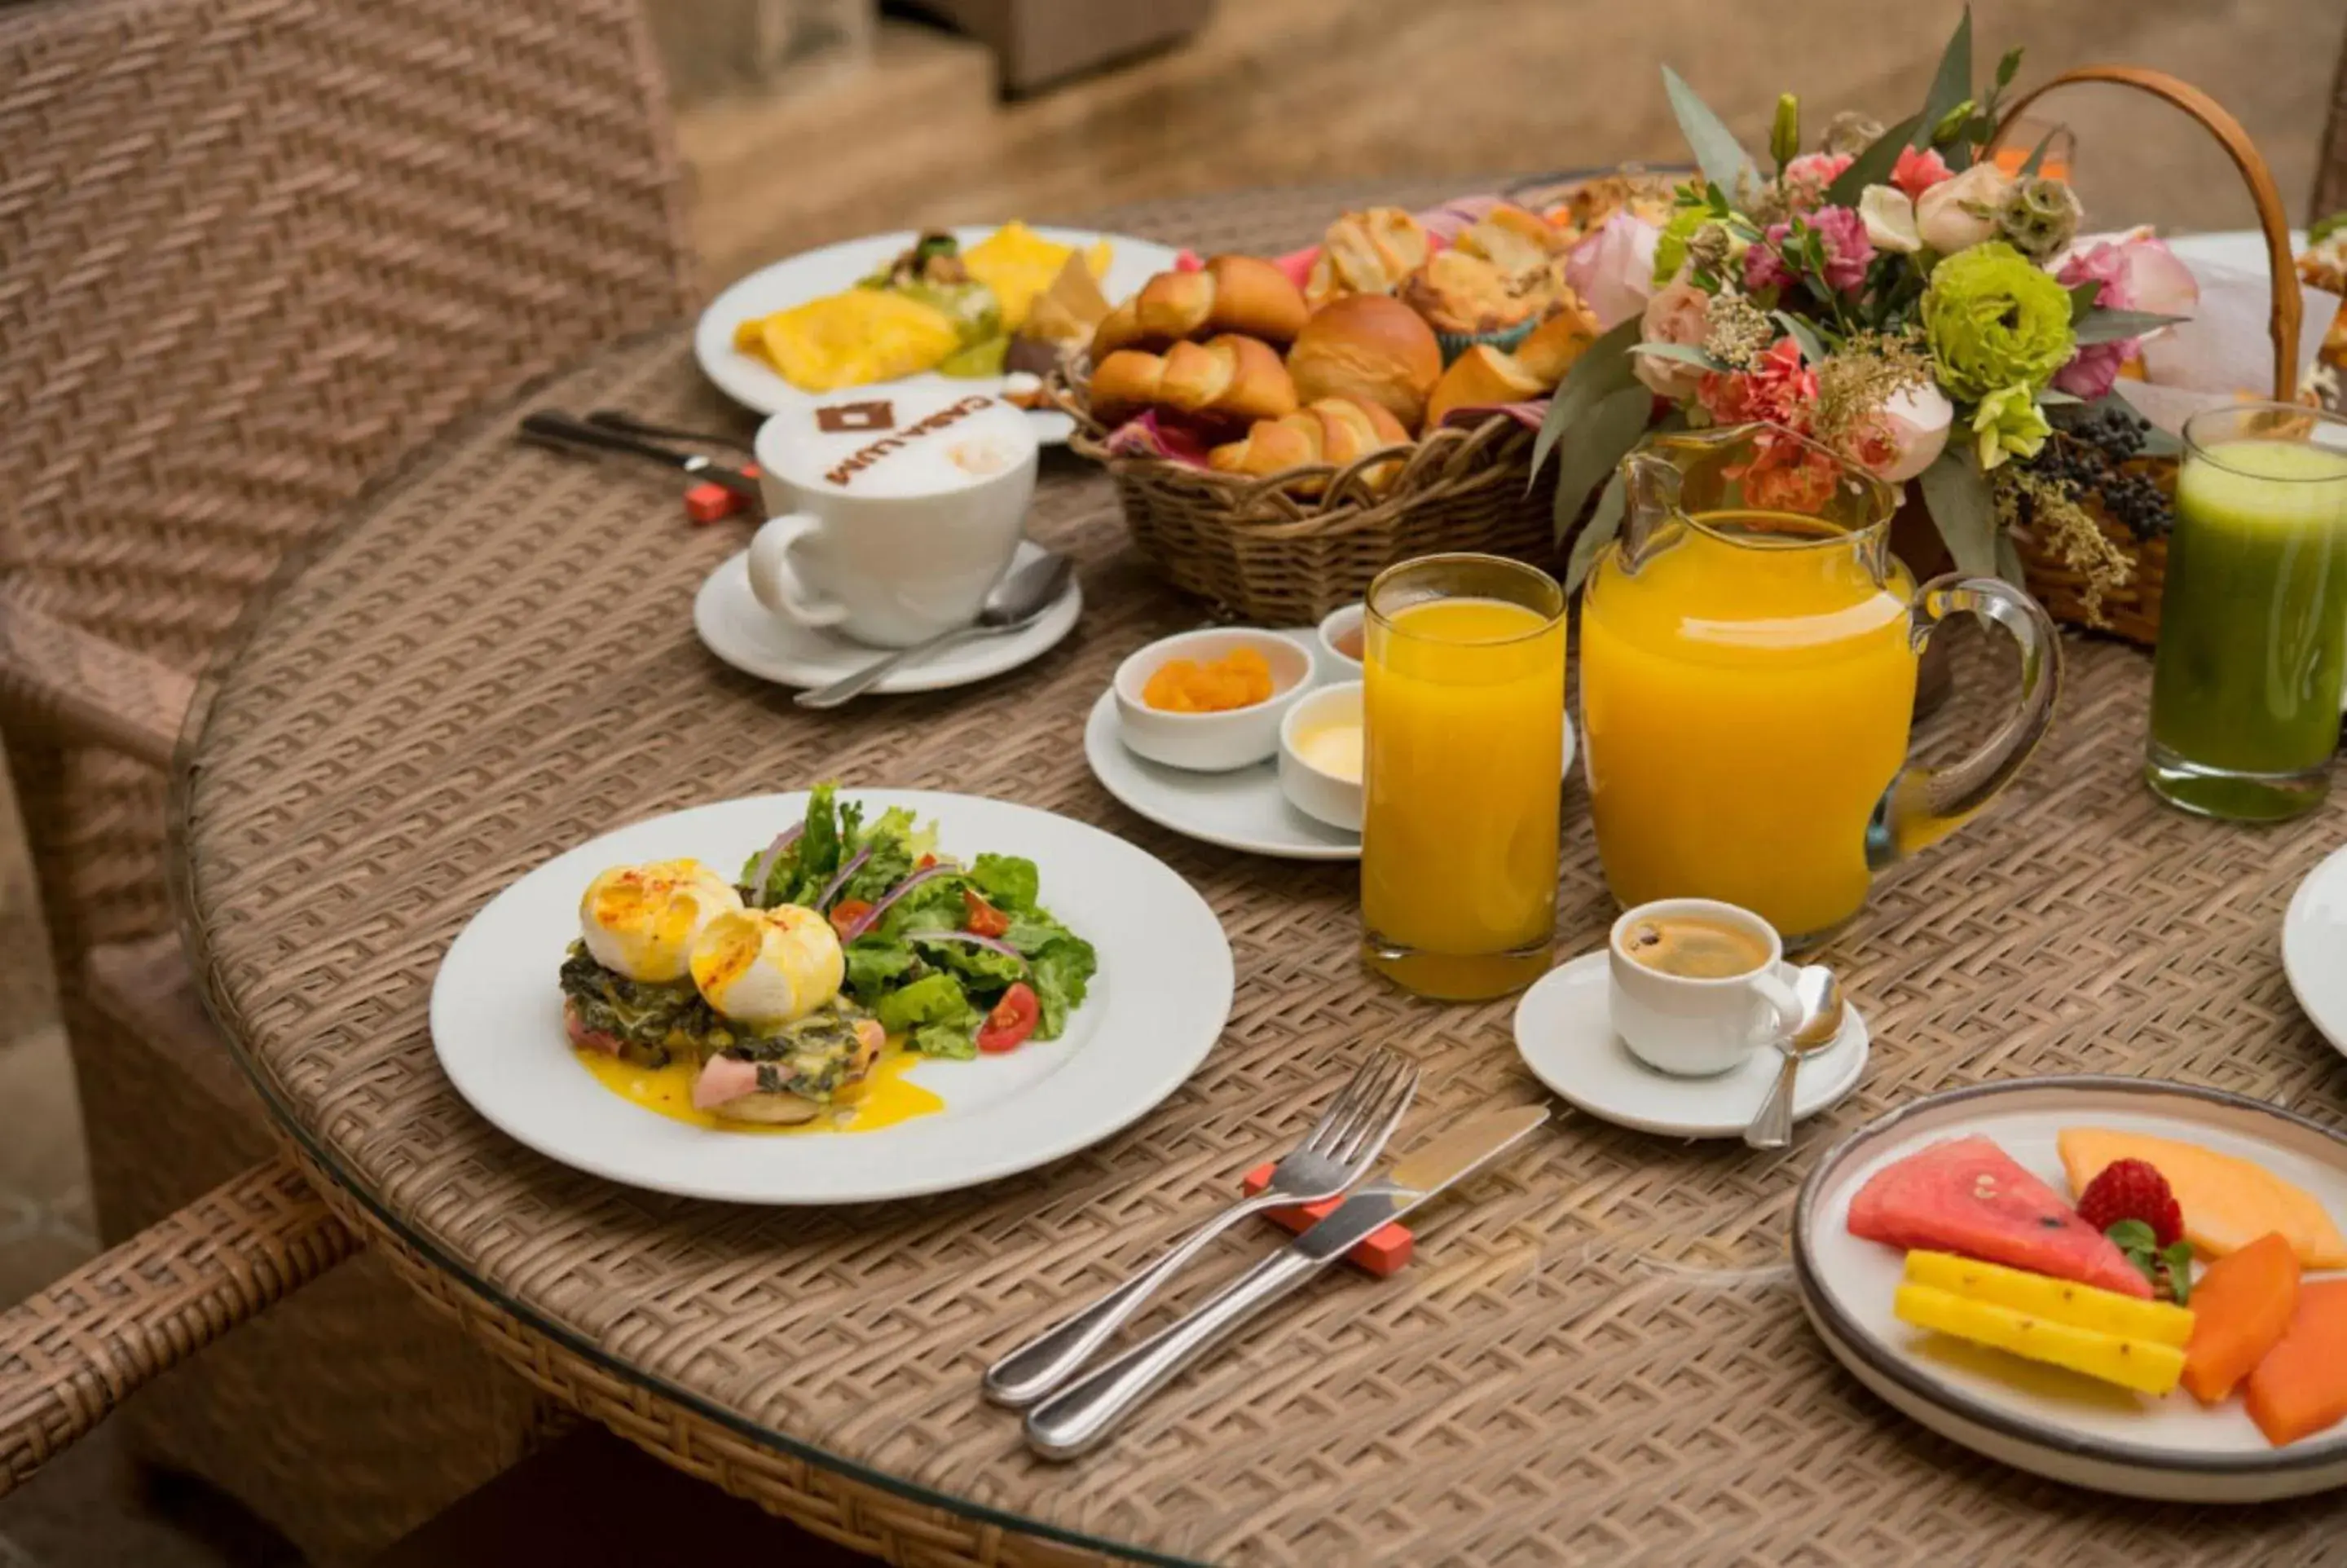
1918	169
1805	179
1959	212
2093	370
1917	420
1679	313
1612	270
2134	273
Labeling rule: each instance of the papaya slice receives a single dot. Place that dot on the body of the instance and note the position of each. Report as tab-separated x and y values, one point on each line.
2240	1306
2301	1387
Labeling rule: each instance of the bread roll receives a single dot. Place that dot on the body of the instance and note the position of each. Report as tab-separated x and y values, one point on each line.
1335	430
1482	375
1366	253
1226	380
1242	294
1558	341
1372	348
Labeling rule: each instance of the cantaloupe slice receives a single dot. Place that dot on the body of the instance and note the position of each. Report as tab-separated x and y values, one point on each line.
2240	1309
2301	1387
2227	1203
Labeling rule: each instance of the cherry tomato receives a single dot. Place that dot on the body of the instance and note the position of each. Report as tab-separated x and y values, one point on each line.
846	913
982	919
924	862
1012	1020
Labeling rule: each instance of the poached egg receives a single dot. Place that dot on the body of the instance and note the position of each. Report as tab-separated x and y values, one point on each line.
643	920
767	968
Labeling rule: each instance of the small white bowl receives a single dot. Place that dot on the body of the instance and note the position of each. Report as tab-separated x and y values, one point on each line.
1336	664
1209	742
1322	796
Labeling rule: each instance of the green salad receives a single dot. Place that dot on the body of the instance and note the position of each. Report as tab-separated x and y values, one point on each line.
956	958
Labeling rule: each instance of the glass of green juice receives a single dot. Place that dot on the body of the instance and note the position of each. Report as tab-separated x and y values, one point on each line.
2245	689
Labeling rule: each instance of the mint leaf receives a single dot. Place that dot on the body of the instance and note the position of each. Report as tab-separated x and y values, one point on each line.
2133	1235
2177	1260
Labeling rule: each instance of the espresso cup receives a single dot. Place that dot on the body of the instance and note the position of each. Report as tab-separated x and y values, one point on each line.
891	514
1694	1027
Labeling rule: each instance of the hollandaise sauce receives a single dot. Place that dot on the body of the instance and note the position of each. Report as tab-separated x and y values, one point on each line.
883	1099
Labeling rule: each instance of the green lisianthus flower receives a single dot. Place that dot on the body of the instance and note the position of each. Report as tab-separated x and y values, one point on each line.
2009	424
1671	245
1996	320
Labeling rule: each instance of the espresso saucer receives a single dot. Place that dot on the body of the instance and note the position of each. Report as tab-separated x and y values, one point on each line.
735	626
1565	1038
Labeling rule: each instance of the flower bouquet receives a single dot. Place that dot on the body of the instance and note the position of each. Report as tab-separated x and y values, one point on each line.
1905	297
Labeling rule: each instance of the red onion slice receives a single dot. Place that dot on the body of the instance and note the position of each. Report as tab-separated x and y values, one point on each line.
840	881
871	916
765	867
991	944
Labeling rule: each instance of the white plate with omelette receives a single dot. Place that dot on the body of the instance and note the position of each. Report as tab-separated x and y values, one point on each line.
1155	1006
812	274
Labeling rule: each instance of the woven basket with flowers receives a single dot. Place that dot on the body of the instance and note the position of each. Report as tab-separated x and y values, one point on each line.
1917	299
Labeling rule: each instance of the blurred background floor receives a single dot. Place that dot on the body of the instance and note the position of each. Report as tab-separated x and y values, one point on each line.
895	123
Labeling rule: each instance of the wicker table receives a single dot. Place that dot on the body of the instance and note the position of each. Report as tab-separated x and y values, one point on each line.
1598	1356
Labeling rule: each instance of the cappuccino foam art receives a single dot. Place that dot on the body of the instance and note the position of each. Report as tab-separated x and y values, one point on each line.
899	447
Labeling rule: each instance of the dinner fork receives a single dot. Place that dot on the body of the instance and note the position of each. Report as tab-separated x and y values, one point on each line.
1342	1144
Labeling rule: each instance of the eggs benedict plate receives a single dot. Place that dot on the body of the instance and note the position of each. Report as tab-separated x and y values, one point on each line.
881	982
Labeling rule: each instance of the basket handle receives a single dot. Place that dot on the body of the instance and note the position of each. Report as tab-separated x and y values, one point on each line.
2288	307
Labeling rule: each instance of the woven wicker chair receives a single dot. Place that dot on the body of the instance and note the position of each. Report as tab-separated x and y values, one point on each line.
255	249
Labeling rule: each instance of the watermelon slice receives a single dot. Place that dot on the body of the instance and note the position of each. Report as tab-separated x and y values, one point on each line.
1966	1195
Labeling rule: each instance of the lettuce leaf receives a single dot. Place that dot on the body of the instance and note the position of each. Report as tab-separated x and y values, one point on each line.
1060	970
873	963
934	998
1008	882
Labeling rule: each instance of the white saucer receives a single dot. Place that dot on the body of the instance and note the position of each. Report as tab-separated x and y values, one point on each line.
2315	948
1240	810
1564	1036
735	626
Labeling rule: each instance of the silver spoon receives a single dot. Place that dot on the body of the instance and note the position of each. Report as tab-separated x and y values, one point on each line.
1821	1013
1017	603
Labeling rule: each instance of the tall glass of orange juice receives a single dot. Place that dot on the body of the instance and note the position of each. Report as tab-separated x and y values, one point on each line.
1748	652
1463	701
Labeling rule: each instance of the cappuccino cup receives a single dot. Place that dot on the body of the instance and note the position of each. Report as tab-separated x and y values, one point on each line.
891	514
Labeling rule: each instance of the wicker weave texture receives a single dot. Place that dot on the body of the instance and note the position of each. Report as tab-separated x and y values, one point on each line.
255	249
1598	1357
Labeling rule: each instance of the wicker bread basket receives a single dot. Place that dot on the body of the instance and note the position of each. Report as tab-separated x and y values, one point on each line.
2132	610
1286	549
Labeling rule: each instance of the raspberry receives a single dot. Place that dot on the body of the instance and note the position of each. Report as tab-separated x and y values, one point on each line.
2132	1189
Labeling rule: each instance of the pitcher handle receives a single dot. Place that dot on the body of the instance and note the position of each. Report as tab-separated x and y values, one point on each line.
1924	805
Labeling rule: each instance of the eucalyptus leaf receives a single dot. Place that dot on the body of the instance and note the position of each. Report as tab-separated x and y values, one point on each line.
1956	494
1603	367
1951	85
2007	67
2099	326
1604	528
1813	348
2008	561
1686	353
2030	165
1716	151
2055	397
2158	443
1595	447
2082	299
1873	165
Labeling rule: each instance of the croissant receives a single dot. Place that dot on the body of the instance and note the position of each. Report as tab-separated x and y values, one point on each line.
1243	294
1366	253
1333	430
1485	375
1228	378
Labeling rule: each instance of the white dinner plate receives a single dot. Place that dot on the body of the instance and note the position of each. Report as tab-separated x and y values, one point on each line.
2315	948
812	274
1565	1038
1154	1008
2039	1419
735	626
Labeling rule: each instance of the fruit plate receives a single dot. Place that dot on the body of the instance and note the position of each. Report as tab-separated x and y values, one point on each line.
2047	1421
750	381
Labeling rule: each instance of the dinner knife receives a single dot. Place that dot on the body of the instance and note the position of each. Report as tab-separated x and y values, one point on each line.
549	428
1080	1415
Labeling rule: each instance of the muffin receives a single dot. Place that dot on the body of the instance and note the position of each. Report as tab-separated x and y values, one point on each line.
1471	301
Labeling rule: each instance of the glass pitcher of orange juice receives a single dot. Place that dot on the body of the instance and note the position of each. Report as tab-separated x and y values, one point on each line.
1748	651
